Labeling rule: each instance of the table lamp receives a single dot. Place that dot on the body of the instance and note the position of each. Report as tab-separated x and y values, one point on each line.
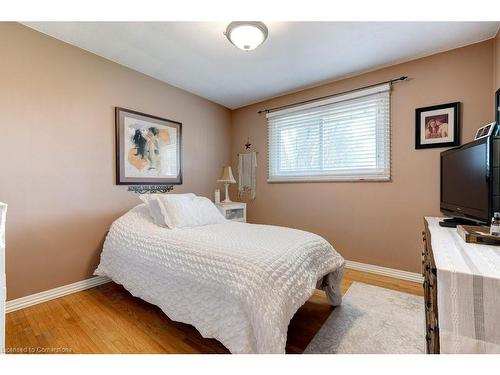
227	178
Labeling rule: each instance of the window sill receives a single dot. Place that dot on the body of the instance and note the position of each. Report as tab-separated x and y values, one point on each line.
328	179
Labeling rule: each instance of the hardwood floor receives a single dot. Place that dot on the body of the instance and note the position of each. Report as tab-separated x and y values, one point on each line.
107	319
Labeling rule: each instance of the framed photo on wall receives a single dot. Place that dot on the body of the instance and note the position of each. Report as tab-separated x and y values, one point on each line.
437	126
497	106
148	149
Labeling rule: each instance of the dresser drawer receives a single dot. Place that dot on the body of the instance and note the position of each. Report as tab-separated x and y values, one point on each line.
430	295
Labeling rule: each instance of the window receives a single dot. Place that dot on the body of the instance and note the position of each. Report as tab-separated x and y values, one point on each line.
346	137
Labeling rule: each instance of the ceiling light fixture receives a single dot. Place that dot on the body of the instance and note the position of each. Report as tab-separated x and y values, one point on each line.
246	35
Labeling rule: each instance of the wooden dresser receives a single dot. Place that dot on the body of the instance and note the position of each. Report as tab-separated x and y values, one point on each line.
461	292
429	272
3	289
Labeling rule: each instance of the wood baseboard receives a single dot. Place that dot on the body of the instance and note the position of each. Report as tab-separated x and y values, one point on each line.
384	271
34	299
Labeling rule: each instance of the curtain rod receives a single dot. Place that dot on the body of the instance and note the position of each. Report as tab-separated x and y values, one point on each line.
391	81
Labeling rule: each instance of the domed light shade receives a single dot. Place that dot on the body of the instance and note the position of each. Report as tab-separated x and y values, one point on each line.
246	35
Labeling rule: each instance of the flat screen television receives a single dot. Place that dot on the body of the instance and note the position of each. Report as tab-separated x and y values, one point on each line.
466	176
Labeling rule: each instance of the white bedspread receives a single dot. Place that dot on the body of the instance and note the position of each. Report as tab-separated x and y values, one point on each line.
238	283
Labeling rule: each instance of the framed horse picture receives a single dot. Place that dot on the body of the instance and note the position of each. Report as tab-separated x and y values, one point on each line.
148	149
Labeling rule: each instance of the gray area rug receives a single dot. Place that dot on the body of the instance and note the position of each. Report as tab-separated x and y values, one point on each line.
373	320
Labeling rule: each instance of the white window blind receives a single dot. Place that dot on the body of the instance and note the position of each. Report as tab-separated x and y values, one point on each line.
346	137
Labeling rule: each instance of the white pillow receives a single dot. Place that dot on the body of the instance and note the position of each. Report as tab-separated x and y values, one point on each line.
155	210
186	212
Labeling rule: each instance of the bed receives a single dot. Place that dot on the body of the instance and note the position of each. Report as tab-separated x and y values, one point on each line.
236	282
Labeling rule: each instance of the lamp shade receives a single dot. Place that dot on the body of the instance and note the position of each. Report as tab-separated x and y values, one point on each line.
227	176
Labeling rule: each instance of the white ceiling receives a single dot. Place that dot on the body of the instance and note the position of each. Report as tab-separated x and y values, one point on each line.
196	57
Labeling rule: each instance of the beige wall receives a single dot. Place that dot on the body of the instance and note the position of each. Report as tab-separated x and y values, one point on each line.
57	150
377	223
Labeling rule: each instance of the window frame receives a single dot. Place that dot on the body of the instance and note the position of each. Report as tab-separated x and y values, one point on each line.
385	171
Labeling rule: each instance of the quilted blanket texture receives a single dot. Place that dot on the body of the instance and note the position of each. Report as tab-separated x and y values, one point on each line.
236	282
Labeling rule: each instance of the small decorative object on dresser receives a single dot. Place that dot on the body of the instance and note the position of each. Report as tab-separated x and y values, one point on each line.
236	211
227	178
485	131
477	234
437	126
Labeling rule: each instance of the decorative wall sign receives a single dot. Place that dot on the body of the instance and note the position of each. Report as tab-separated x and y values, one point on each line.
151	189
437	126
148	149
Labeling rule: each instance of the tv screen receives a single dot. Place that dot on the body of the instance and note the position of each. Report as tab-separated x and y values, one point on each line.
465	181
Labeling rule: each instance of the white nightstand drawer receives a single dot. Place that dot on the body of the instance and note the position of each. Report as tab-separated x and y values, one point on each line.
235	211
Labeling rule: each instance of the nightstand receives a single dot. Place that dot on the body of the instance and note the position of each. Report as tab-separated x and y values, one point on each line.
236	211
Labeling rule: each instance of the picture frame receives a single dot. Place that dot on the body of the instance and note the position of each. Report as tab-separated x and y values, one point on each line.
148	149
437	126
485	131
497	106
